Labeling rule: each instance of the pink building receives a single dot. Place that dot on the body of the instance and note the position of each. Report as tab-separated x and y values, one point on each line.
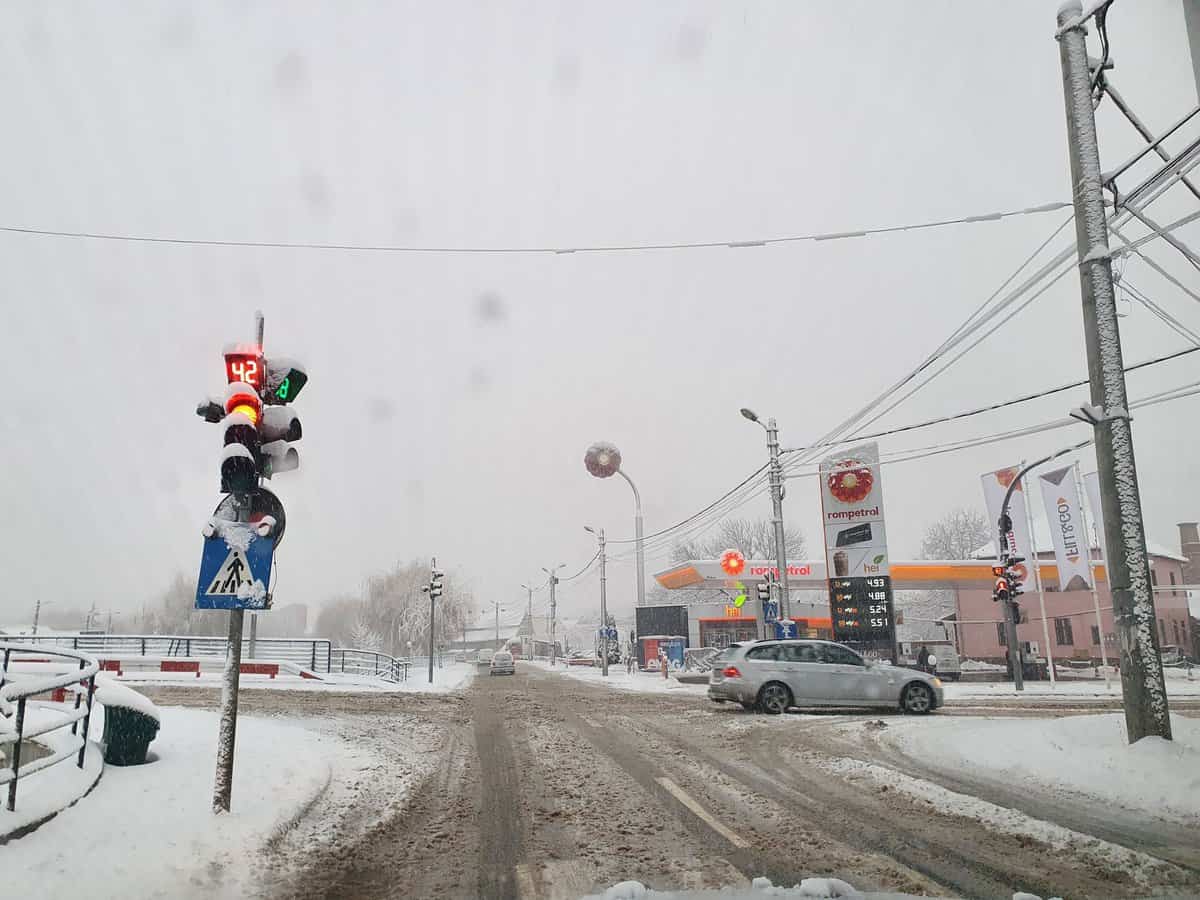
1070	618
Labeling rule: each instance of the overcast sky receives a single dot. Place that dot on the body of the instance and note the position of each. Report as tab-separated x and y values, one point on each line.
452	396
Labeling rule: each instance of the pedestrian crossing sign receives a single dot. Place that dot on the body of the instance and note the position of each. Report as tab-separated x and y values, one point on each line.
235	569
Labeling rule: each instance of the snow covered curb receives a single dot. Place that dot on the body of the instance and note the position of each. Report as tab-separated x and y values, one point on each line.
1083	755
44	794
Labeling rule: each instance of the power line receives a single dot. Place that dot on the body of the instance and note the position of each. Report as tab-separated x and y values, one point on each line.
602	248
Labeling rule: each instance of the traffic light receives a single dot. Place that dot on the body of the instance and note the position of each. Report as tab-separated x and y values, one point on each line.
435	582
1000	591
280	427
285	379
240	459
764	591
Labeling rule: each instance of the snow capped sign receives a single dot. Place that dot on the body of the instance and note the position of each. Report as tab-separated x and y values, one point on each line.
994	486
1066	529
235	568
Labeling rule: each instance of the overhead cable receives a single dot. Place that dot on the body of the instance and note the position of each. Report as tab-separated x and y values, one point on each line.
565	249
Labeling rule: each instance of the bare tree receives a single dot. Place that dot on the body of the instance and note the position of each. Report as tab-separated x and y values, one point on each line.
956	535
755	538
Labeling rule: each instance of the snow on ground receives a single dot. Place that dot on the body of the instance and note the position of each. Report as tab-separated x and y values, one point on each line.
149	831
1144	869
452	676
1087	755
618	678
759	889
1178	685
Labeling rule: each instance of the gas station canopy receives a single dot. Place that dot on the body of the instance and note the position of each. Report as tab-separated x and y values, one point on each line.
917	575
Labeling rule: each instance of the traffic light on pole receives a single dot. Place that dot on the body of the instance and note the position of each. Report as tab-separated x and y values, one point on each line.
764	591
240	459
435	582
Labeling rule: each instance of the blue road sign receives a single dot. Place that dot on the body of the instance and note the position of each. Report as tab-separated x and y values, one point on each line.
785	629
235	573
770	611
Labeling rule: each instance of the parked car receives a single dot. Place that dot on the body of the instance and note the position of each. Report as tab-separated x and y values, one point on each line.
503	663
948	665
774	675
485	657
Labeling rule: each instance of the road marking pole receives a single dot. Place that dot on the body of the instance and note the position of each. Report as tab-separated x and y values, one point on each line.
701	813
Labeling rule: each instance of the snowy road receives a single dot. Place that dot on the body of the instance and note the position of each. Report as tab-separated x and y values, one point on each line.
540	786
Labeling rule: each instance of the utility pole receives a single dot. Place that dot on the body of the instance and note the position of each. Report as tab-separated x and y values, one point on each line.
1142	684
775	482
553	573
599	533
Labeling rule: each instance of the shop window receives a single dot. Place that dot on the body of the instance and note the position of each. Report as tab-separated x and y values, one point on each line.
1153	577
1062	633
1173	591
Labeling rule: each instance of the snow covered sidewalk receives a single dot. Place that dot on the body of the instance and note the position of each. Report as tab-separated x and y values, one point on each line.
1081	689
1085	755
619	679
149	831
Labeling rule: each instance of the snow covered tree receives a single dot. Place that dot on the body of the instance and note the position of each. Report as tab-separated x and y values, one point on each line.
754	537
956	535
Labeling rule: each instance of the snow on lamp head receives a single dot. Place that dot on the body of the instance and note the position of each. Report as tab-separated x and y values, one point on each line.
602	459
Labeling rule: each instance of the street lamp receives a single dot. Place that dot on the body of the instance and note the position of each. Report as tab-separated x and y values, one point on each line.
553	607
599	533
775	480
604	460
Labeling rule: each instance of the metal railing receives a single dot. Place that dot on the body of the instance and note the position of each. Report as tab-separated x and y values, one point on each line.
15	691
315	654
699	659
349	661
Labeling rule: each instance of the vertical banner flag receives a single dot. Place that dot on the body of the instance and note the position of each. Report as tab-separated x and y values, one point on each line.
994	486
1091	484
860	584
1071	550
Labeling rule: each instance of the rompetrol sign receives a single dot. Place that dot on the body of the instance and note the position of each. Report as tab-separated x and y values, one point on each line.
798	570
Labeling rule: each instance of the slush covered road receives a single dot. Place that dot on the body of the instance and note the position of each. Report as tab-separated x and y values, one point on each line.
540	786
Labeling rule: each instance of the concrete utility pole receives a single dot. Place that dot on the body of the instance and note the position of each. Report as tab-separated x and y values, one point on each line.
1142	684
603	601
553	607
775	481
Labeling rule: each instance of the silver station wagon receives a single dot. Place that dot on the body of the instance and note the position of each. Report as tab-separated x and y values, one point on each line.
772	676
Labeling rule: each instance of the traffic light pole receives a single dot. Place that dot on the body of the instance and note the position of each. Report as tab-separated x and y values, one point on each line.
230	682
1142	685
553	612
432	601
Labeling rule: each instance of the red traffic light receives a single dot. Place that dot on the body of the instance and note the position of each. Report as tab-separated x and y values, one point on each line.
241	397
732	562
998	571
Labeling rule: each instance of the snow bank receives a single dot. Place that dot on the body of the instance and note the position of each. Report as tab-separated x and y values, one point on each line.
619	679
1084	755
149	831
1177	683
758	889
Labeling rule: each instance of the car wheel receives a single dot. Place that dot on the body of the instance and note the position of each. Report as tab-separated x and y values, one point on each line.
774	698
917	699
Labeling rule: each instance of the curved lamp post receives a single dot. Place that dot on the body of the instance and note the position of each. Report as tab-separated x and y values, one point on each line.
604	460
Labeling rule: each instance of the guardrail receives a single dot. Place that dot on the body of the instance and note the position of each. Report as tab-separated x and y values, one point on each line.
312	653
349	661
19	687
